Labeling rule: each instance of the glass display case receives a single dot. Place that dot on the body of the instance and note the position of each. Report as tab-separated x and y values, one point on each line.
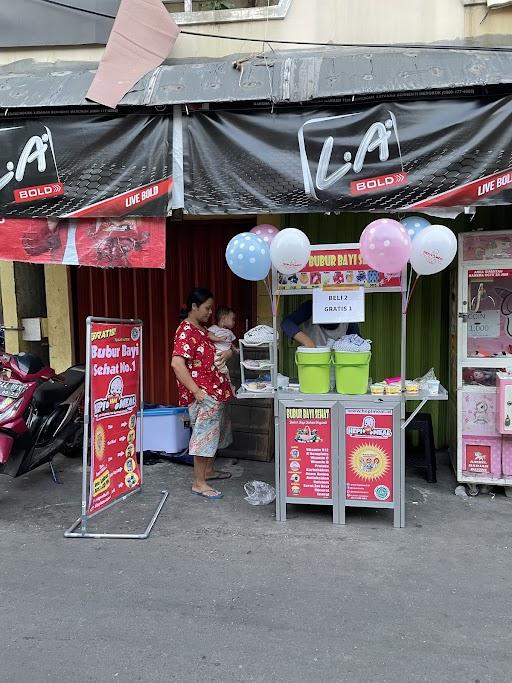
481	331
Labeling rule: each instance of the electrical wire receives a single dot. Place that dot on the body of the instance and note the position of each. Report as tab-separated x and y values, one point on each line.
372	46
78	9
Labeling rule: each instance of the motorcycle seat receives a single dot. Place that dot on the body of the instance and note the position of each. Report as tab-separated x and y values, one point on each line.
49	394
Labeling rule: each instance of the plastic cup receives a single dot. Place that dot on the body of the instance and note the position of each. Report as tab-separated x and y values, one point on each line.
433	387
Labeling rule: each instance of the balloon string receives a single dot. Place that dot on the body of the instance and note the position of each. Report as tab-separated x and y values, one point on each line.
412	291
269	292
409	284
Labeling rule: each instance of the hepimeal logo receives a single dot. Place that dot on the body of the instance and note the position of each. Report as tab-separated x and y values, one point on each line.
369	428
115	402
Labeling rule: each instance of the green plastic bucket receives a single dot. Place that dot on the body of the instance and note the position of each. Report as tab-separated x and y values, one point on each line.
352	372
314	366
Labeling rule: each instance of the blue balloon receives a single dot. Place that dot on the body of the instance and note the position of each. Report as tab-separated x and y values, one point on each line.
414	225
248	257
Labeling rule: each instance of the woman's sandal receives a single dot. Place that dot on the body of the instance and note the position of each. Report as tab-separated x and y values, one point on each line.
204	494
219	475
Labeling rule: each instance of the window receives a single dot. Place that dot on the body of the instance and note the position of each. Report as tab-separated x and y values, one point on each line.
211	11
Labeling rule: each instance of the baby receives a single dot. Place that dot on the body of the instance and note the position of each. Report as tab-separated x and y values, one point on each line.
222	335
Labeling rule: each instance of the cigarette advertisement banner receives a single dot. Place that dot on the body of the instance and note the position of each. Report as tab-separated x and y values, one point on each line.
369	454
103	242
115	357
385	157
81	166
308	453
342	265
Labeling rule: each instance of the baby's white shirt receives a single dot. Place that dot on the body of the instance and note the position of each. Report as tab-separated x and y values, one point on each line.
224	334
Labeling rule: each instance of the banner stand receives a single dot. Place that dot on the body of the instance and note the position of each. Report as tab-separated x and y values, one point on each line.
85	514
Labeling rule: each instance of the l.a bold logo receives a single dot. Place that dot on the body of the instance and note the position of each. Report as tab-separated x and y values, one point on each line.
378	148
31	169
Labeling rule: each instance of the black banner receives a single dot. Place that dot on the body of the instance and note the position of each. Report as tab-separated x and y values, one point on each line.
83	166
409	155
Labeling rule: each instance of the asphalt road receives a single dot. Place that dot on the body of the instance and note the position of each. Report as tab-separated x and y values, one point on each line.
221	592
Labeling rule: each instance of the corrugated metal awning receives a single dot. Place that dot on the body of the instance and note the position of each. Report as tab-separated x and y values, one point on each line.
282	77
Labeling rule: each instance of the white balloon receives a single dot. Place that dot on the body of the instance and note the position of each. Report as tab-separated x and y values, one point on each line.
289	251
433	249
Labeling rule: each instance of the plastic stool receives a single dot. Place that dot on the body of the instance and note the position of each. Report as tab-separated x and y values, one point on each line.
422	423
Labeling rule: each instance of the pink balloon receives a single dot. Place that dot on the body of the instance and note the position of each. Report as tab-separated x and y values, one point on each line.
385	245
266	232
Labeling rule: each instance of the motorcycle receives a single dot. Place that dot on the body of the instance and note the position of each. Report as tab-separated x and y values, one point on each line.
40	413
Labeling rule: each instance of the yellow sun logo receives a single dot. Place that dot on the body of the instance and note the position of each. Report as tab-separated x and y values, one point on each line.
369	462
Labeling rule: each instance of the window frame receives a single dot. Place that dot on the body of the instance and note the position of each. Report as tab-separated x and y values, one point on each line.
225	16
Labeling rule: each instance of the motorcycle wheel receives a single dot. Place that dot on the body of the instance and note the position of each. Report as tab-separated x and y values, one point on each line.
73	447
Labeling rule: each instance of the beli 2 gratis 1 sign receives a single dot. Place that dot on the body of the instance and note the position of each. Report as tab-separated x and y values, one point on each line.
115	399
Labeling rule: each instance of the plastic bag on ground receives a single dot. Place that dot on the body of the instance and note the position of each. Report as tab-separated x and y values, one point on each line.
259	493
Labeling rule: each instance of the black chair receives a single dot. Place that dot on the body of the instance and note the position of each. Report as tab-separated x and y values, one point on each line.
422	425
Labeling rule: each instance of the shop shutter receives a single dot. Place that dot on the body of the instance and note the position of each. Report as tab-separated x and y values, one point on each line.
195	258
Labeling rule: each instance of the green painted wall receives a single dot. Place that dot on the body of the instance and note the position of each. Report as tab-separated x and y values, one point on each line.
428	314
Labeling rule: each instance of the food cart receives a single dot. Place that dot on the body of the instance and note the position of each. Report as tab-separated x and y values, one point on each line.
335	449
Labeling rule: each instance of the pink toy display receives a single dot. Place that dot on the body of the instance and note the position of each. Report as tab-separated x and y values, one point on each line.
481	456
489	327
506	456
504	403
479	413
480	246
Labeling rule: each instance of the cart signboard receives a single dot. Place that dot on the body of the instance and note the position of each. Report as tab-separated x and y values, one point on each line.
114	375
338	266
309	453
369	455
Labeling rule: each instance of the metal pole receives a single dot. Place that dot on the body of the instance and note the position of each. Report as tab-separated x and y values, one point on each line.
277	436
141	409
399	517
87	417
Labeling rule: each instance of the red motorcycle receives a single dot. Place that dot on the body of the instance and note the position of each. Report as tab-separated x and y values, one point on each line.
40	413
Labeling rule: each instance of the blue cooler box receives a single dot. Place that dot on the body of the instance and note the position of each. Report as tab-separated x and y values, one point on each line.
166	429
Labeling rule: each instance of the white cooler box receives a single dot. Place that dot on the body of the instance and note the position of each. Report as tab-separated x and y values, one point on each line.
165	429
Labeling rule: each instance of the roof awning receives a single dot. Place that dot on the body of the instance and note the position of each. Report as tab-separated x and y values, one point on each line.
282	77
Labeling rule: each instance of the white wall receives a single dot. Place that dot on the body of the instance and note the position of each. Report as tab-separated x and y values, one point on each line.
340	21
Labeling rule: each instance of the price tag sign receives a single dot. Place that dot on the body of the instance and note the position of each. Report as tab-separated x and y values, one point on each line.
338	306
484	324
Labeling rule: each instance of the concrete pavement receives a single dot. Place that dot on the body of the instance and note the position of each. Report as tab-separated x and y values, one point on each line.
221	592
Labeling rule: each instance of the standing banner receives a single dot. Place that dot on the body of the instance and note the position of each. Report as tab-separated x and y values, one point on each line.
82	166
136	242
385	157
114	373
113	399
369	454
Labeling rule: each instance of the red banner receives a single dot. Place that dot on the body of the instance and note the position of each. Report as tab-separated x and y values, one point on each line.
102	242
369	453
477	459
114	400
341	265
308	453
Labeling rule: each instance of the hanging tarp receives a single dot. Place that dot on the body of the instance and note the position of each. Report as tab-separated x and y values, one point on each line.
78	166
103	242
388	157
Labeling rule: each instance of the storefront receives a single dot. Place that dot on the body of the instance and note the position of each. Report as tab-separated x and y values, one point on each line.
324	169
396	159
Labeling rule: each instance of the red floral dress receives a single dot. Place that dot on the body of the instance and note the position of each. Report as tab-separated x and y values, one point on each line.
193	344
